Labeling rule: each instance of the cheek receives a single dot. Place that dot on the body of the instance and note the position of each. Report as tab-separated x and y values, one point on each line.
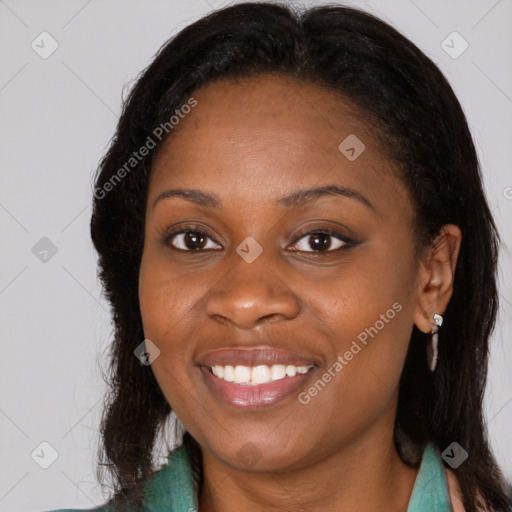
372	329
172	369
170	309
167	300
162	308
368	313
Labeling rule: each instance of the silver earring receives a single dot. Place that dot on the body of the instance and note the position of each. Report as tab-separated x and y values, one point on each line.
433	342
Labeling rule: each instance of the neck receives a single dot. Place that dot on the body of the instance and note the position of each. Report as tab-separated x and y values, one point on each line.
366	475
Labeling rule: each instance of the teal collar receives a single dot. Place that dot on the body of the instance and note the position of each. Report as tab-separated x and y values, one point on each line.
430	491
172	488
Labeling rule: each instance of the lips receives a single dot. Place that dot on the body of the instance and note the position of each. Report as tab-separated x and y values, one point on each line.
256	395
248	397
255	357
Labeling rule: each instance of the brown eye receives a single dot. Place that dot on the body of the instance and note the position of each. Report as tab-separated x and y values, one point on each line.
321	241
189	240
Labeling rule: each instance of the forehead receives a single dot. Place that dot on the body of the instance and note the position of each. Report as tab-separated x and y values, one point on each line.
269	128
271	108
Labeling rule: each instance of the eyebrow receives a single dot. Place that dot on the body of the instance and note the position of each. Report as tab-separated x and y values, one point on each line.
296	198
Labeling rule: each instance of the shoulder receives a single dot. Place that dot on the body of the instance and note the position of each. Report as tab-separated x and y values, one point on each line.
171	488
454	491
109	506
104	508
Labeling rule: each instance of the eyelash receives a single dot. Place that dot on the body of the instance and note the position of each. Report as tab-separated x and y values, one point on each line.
324	231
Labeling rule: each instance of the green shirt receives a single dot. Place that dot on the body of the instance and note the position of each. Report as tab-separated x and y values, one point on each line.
171	489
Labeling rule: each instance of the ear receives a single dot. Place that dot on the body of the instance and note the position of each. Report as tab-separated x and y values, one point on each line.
436	273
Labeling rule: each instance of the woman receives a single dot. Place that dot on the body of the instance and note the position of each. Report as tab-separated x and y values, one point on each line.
291	217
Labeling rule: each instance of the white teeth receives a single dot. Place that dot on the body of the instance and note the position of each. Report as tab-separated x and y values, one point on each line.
229	373
218	370
242	374
291	370
278	371
260	374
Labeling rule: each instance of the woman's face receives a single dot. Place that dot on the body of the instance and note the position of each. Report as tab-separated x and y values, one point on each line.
244	285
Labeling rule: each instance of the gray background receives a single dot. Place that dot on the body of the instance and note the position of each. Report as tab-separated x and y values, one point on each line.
58	115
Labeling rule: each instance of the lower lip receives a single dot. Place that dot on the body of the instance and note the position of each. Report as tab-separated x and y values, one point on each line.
249	396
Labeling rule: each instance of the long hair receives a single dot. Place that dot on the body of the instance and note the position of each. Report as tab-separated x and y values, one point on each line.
417	116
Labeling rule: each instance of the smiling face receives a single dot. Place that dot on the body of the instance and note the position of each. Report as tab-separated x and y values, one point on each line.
336	267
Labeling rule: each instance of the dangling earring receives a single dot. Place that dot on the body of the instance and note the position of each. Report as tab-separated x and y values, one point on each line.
433	342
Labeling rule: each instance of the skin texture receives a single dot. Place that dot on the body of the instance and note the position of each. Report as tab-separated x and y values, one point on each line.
251	142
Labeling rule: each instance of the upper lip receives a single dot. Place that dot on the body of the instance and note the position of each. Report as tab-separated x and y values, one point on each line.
254	357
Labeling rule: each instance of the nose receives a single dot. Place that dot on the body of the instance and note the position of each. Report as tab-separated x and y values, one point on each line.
251	294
